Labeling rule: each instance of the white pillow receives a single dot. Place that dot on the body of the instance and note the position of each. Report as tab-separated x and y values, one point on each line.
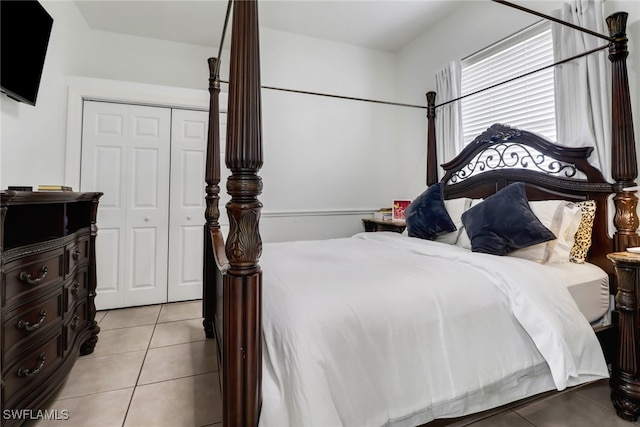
563	219
455	209
463	238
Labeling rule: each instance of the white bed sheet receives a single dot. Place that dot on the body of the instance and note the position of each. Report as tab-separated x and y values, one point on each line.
341	348
588	284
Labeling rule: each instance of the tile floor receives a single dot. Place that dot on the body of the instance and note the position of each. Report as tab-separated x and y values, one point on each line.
153	367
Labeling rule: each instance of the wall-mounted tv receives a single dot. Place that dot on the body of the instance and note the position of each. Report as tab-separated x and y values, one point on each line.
25	27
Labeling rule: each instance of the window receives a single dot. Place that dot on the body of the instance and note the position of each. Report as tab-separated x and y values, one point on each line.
526	103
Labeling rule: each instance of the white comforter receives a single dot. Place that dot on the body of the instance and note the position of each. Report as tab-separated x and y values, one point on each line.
383	329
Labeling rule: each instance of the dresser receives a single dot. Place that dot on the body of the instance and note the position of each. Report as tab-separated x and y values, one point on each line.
47	247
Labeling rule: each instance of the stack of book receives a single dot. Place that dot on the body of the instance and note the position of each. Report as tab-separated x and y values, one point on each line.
385	214
54	188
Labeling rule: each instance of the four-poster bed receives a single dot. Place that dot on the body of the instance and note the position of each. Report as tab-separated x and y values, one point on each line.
233	290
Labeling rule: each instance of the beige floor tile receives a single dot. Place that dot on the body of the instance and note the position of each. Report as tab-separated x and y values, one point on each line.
127	317
179	332
103	373
177	361
181	311
599	392
106	409
191	401
100	315
569	409
504	419
114	341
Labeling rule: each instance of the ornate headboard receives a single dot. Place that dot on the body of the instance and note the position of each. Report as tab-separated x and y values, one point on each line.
503	155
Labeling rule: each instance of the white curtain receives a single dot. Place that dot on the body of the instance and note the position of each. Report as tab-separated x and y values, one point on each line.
448	117
583	88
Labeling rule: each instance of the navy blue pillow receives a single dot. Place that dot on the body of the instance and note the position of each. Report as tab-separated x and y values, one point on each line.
504	222
427	217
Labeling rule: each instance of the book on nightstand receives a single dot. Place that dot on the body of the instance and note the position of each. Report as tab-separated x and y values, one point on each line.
54	188
383	214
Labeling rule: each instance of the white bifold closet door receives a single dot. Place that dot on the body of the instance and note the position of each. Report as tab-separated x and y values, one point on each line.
149	163
186	211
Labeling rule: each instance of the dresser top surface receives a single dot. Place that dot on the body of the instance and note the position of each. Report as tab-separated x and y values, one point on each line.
11	197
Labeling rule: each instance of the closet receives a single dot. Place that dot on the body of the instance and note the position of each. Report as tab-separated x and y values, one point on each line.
149	162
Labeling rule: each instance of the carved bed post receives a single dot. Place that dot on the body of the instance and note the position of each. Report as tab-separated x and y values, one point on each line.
625	383
623	155
212	212
432	157
242	312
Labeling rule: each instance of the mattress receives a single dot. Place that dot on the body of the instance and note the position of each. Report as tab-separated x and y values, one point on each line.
588	284
383	329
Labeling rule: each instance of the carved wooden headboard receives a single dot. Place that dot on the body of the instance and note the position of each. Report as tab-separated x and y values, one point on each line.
503	155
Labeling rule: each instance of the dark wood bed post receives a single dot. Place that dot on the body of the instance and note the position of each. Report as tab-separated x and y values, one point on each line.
432	156
242	281
623	155
625	381
212	212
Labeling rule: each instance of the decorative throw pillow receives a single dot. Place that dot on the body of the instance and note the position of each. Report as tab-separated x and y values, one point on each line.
504	222
427	216
582	240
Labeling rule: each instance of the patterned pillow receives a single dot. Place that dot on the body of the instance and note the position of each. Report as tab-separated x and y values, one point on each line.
582	240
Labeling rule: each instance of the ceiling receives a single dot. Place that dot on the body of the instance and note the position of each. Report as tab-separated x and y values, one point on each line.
377	24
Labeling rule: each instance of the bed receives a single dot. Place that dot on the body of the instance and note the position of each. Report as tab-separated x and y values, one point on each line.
382	333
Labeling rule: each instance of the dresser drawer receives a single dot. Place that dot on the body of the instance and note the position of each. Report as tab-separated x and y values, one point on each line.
29	322
76	323
32	368
28	276
77	254
76	287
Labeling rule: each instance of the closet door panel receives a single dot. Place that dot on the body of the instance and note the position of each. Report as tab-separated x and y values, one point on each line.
126	155
188	152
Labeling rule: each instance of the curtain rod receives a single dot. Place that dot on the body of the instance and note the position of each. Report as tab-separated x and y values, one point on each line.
525	74
216	72
556	20
351	98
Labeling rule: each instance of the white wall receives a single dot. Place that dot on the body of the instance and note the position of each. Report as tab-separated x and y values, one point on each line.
347	146
461	34
326	153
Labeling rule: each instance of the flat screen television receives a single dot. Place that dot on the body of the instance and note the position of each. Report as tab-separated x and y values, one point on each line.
25	27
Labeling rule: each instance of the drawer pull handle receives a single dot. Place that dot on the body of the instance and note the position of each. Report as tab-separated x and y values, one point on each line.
26	326
75	287
22	372
27	277
76	254
74	322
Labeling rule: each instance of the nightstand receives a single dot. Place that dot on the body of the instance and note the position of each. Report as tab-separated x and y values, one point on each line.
371	224
625	375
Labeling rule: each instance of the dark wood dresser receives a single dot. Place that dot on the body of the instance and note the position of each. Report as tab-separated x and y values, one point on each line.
47	247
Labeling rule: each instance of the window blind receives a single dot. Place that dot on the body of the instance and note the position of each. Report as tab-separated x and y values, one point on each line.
527	103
